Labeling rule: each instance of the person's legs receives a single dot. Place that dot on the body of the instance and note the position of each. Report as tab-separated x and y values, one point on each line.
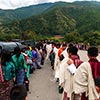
34	65
38	64
20	76
42	60
27	84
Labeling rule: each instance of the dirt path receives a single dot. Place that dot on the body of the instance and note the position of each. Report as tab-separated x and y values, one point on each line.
43	85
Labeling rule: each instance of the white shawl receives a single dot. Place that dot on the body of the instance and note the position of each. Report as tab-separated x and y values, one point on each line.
84	82
66	78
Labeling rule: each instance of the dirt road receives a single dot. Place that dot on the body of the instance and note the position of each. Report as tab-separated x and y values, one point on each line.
43	85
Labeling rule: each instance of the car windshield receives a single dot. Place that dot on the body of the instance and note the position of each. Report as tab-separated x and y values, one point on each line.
9	46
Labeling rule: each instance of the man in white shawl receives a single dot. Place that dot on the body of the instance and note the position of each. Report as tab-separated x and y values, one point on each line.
48	49
59	58
85	75
67	72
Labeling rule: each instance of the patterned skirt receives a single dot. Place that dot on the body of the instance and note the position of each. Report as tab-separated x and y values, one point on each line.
5	88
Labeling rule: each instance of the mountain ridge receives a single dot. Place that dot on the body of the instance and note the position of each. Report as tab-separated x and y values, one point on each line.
52	18
20	13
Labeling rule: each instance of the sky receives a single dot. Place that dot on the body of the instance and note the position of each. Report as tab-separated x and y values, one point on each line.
13	4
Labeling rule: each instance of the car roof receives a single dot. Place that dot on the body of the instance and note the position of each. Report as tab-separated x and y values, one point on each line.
10	45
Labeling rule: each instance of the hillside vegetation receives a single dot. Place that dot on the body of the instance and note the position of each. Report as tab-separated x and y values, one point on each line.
80	20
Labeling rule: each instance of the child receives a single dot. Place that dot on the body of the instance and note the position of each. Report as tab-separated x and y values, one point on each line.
18	92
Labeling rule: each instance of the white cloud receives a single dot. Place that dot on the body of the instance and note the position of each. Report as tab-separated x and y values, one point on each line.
12	4
4	4
15	3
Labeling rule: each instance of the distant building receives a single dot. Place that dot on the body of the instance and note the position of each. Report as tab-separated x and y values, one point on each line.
58	37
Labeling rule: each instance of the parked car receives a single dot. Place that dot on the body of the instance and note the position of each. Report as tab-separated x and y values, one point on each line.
28	42
10	46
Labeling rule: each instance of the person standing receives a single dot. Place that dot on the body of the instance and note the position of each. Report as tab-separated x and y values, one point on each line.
48	49
85	75
20	65
67	71
8	69
29	61
39	56
27	74
73	55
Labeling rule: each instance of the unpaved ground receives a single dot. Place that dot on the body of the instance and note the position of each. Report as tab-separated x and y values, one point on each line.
43	85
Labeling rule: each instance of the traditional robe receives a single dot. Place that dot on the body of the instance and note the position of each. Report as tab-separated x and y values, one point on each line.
64	53
48	49
56	64
66	78
84	82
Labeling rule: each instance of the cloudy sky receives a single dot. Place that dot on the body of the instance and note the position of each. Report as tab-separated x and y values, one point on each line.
12	4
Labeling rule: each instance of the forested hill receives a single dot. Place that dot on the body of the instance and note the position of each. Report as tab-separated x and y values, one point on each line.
24	12
52	18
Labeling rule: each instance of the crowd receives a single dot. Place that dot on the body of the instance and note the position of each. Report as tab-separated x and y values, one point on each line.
16	67
77	80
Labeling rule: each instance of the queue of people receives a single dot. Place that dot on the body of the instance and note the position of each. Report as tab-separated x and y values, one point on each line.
78	80
15	69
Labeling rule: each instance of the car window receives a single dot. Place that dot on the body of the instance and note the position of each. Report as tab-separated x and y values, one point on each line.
9	46
21	46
